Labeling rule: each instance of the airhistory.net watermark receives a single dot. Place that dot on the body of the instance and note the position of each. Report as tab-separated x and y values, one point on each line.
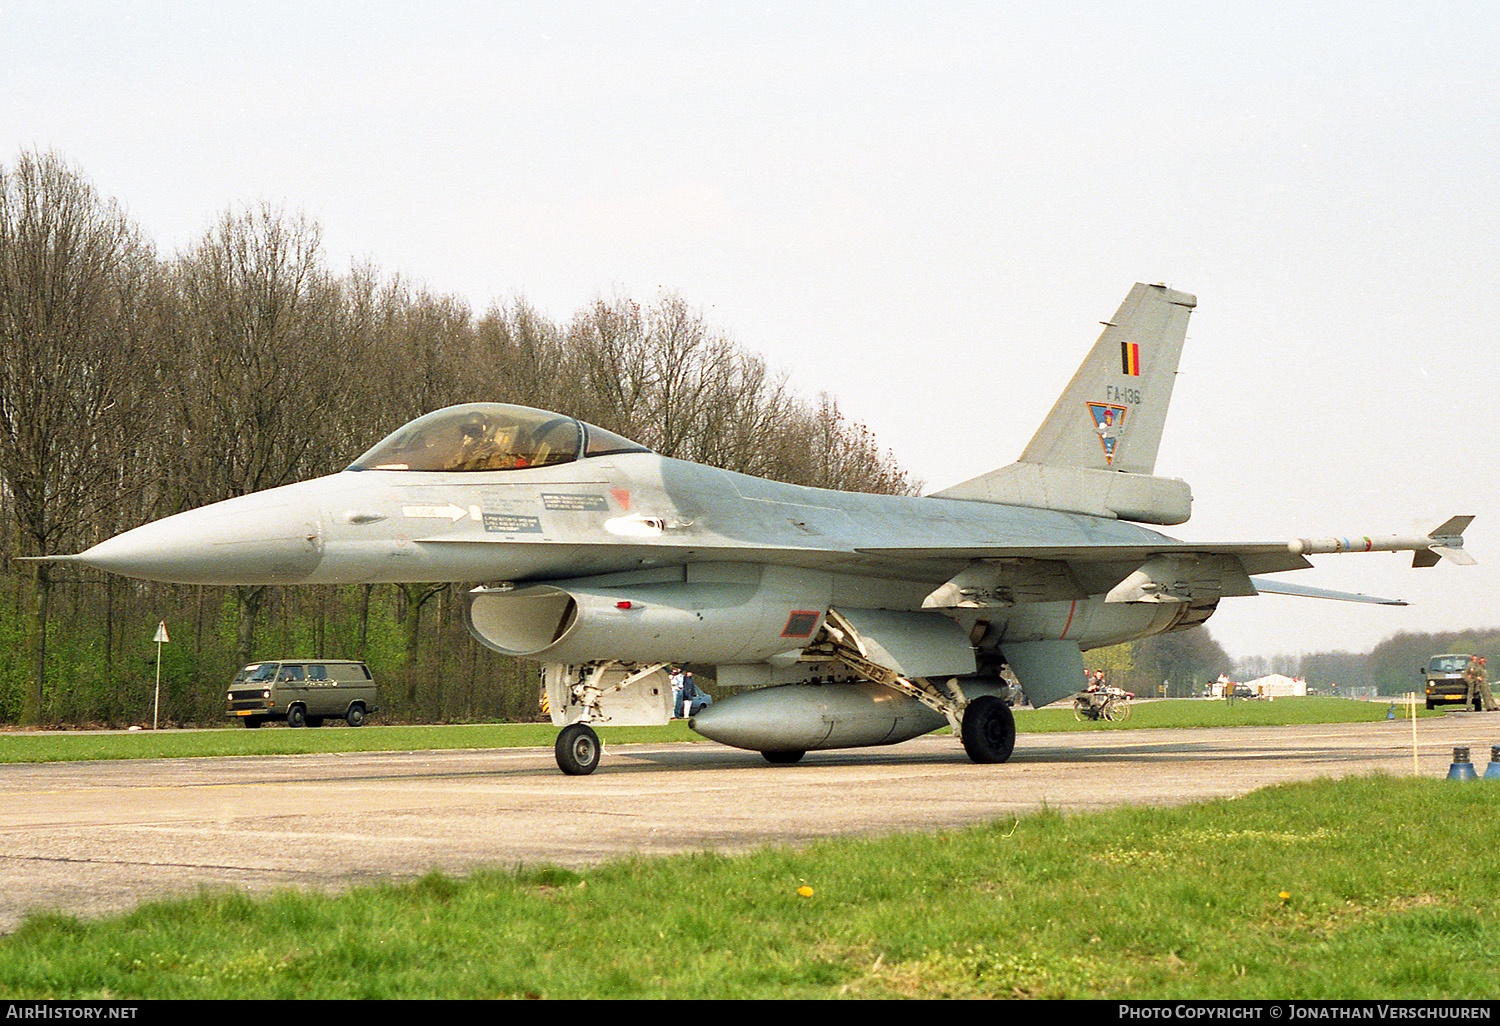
21	1010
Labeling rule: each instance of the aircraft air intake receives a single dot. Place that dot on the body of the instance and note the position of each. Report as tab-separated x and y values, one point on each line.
726	614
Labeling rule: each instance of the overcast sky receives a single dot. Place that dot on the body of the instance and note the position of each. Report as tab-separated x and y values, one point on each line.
924	209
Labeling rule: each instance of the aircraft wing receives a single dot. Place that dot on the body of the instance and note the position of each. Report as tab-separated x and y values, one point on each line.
1114	560
1260	558
1444	542
1256	557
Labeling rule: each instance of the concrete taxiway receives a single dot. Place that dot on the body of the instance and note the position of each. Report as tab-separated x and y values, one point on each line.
100	837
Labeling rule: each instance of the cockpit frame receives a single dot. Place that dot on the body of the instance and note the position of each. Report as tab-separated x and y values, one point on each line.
490	437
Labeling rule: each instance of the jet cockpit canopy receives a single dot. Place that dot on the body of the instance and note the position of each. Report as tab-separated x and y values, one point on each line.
491	436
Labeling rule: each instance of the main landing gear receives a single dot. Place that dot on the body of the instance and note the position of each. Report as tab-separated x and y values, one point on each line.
984	723
988	730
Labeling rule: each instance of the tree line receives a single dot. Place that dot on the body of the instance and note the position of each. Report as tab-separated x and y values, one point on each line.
1393	667
135	385
1178	664
1182	664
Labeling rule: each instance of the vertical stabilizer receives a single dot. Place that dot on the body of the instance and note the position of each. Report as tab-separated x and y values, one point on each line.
1096	451
1110	417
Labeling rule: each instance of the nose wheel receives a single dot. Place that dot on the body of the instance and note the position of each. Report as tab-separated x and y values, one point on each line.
577	750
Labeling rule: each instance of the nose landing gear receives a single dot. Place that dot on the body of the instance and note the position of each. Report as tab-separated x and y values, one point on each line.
577	750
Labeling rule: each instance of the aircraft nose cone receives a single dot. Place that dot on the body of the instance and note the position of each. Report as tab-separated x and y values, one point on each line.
241	541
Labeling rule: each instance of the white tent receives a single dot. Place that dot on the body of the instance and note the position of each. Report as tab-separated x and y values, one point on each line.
1275	685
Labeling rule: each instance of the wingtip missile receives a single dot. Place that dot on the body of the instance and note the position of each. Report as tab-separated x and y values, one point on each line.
1446	541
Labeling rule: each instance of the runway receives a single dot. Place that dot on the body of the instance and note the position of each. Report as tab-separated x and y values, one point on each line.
94	838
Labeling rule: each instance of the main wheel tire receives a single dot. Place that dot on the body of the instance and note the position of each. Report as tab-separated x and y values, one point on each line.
785	758
1082	710
988	730
296	716
577	750
355	717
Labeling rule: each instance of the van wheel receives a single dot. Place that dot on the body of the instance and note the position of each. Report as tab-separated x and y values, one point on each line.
296	716
355	717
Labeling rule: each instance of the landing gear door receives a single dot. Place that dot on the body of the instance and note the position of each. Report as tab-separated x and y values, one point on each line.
611	695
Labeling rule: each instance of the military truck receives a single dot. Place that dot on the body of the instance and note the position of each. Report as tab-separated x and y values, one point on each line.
1457	679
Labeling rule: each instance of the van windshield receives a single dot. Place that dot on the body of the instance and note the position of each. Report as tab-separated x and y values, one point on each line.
257	673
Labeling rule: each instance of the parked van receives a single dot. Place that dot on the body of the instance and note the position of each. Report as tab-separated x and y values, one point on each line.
304	692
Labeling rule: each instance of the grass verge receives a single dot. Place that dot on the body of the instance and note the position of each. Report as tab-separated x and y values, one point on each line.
1191	712
23	746
29	746
1362	888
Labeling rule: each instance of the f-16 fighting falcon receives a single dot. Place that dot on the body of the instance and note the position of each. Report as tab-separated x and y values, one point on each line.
826	619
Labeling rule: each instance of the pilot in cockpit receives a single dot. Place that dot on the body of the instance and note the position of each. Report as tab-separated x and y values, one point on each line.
490	436
482	447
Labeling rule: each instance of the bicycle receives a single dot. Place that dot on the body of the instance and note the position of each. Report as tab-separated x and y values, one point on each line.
1111	705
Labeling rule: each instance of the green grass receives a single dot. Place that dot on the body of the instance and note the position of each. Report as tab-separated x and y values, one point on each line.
1371	887
24	746
27	746
1189	712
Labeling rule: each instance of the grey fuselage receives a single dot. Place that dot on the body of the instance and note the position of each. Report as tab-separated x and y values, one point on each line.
628	512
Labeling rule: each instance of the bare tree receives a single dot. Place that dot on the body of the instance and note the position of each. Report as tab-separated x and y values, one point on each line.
419	360
71	272
836	453
606	345
132	389
257	320
522	357
663	376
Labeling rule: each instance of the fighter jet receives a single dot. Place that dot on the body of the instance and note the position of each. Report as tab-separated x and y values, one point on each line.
826	619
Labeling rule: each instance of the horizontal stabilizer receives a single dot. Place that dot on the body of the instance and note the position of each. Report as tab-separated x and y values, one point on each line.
1269	587
1099	493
